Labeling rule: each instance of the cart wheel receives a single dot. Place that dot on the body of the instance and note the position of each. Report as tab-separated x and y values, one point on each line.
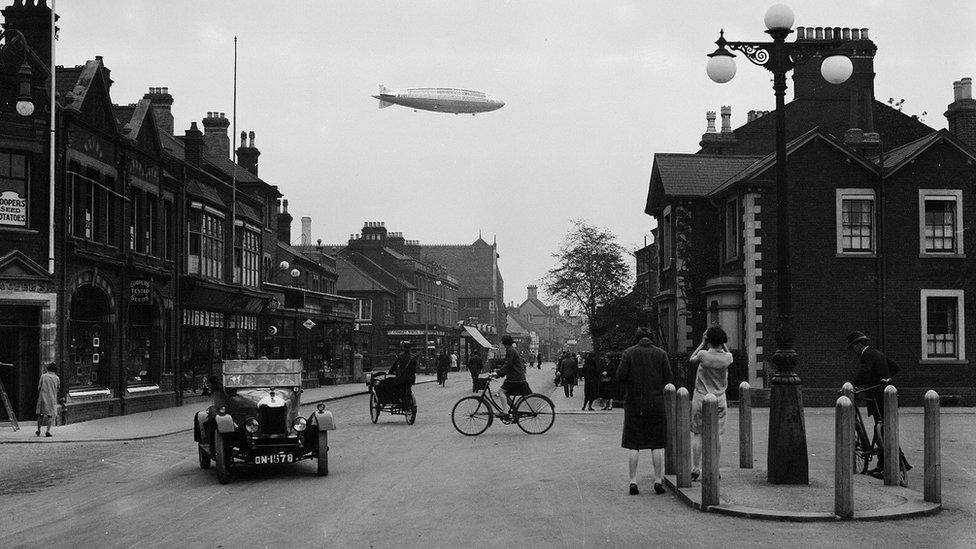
222	457
323	461
412	411
204	457
374	407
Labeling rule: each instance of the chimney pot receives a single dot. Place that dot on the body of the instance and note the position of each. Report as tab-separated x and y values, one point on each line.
251	136
284	206
828	33
846	33
855	34
726	119
710	118
819	33
864	34
956	91
967	88
243	137
165	90
801	33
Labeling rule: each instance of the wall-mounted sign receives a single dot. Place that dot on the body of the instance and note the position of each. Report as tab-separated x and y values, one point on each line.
272	330
308	324
139	291
273	305
13	208
96	342
95	358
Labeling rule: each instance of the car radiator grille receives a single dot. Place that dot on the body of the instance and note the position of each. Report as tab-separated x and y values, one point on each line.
273	420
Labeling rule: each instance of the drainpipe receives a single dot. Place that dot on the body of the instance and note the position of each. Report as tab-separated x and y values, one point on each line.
52	135
882	261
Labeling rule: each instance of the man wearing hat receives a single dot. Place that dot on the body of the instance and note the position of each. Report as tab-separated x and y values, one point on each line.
874	368
405	370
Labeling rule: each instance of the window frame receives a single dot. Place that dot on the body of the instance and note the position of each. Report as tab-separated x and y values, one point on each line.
732	252
855	194
27	187
666	236
960	357
941	194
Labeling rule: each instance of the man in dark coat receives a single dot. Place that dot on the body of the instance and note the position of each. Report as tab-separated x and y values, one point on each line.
567	373
443	365
404	370
475	364
514	373
644	371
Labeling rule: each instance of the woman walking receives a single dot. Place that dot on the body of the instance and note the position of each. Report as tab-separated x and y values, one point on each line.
713	359
591	381
47	399
475	364
644	371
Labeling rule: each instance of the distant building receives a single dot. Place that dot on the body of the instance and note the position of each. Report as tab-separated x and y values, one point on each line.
557	331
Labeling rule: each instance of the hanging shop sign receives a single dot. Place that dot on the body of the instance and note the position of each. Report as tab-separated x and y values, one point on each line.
308	324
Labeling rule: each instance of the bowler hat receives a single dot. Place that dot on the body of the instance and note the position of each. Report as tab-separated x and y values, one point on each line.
855	337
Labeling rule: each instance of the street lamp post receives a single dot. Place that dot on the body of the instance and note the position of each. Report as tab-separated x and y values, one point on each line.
787	461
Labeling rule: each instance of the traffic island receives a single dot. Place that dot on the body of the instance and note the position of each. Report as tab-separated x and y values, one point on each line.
746	493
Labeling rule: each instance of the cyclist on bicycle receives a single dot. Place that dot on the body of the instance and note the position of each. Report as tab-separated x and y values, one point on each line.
404	370
514	373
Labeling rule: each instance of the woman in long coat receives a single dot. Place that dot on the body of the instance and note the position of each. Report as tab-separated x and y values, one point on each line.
48	388
644	371
591	380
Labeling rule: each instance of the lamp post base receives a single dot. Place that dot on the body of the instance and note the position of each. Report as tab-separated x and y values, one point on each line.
787	461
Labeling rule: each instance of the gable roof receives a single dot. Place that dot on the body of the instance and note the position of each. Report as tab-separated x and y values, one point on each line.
897	158
768	161
16	264
697	174
354	279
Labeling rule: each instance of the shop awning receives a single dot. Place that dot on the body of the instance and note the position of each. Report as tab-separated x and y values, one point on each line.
473	332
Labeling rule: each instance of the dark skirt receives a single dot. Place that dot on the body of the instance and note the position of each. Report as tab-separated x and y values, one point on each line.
591	387
516	388
643	430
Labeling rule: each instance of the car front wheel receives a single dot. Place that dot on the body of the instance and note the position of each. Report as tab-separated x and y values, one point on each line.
222	457
204	457
323	461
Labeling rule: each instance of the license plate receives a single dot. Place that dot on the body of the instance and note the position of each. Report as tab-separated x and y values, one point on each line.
273	459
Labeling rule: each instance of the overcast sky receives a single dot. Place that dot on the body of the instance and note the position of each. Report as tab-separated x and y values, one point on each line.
592	91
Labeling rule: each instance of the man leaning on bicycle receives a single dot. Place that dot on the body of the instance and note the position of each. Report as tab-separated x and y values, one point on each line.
514	373
873	369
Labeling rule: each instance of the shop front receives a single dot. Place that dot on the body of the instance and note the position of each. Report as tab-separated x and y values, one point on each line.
28	309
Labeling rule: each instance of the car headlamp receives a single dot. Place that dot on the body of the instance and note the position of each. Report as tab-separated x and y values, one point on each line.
252	425
299	424
321	406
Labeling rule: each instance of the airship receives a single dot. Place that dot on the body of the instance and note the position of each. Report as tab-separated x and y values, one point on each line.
451	100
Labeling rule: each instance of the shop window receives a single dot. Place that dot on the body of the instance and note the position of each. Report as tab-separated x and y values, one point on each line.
943	325
89	339
14	189
141	355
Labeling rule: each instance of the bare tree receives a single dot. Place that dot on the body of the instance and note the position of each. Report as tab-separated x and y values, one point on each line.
590	269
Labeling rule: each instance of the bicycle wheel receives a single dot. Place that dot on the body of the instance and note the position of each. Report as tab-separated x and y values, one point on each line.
374	407
471	416
863	447
535	414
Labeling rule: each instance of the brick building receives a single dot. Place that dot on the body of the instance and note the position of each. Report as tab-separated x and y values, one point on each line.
878	206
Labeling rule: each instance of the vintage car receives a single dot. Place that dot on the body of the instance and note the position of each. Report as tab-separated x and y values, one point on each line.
255	419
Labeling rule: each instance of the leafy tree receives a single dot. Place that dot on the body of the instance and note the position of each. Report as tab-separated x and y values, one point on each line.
590	269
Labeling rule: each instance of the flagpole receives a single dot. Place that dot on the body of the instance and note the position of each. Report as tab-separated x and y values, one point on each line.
233	206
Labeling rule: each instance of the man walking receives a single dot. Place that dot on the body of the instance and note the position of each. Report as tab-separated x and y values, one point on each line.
475	364
644	371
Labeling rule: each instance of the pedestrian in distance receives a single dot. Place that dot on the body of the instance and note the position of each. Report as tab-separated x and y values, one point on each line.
531	360
48	388
443	364
713	359
567	373
539	360
608	382
475	365
514	373
591	381
454	362
644	371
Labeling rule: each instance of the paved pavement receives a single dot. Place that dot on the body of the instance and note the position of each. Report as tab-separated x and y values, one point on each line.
156	423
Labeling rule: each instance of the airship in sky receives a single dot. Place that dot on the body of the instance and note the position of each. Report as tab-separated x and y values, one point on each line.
452	100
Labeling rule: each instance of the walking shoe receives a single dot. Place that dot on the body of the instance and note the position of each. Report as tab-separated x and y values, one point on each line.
37	433
633	490
695	475
658	489
48	434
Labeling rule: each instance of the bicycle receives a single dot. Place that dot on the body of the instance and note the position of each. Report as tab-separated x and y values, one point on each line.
473	415
865	448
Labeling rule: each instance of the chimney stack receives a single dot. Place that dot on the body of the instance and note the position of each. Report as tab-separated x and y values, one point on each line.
533	291
713	142
726	119
161	104
215	134
284	223
710	121
247	154
306	231
34	22
808	83
193	144
961	113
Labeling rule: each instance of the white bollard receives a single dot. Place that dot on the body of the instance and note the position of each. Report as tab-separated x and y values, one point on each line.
843	449
710	452
745	426
669	407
